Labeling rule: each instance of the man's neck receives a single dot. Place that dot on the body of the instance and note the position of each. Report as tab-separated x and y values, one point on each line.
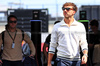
68	21
12	29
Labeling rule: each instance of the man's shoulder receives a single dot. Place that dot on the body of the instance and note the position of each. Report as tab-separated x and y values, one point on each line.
49	35
78	22
19	30
57	25
3	32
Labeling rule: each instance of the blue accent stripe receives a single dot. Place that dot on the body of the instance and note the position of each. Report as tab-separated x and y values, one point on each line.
35	20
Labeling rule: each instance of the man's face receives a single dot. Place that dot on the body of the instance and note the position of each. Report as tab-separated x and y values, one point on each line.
12	22
94	28
68	11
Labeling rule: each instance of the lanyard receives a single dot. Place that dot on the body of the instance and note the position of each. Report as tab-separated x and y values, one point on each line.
11	36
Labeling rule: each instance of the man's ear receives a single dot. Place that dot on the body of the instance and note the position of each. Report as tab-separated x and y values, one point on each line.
74	12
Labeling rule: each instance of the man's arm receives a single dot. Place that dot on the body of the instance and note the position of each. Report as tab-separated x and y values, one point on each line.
84	57
83	44
44	51
50	56
53	44
30	43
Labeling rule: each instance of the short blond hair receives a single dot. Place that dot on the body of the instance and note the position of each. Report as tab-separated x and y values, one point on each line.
71	4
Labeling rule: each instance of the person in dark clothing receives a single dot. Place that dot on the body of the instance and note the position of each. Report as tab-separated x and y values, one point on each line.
46	44
94	42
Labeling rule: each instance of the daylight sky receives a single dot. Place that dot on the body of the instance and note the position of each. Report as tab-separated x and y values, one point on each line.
53	6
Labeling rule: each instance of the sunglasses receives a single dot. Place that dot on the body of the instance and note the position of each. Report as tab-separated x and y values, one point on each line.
67	9
12	21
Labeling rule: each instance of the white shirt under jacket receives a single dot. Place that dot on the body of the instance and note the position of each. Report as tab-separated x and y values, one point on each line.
68	40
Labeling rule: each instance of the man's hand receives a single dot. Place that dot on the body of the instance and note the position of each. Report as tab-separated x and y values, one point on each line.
31	56
84	59
1	62
50	56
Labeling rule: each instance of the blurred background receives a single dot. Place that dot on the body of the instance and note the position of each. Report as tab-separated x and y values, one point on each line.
45	13
52	10
53	7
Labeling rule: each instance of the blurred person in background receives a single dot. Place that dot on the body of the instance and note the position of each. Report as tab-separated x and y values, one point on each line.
47	44
94	43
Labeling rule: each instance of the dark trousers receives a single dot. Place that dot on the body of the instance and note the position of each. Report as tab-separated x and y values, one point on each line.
11	63
29	62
